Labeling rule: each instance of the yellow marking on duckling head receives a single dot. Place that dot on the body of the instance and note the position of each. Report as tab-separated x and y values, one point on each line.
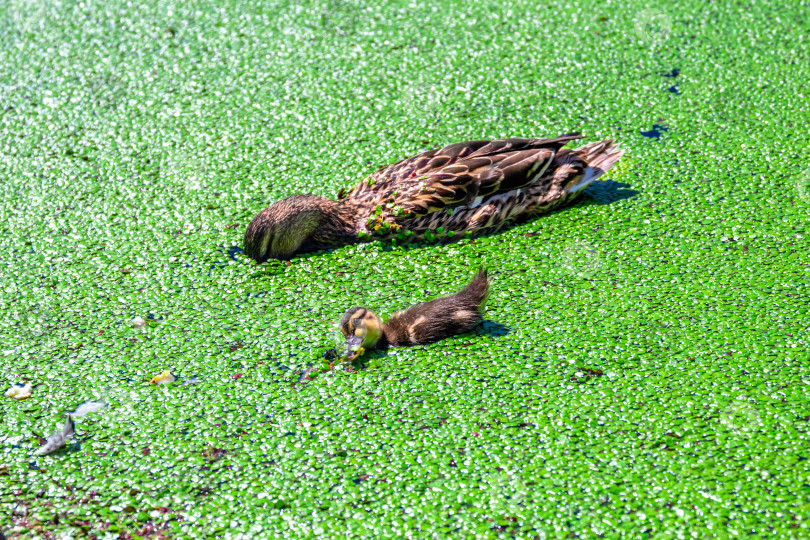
349	320
370	329
362	329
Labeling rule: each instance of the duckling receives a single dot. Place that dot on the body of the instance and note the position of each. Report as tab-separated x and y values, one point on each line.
421	324
462	188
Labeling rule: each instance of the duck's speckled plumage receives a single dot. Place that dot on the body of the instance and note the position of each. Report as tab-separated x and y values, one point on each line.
463	187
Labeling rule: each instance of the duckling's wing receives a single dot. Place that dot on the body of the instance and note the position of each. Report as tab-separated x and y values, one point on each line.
463	174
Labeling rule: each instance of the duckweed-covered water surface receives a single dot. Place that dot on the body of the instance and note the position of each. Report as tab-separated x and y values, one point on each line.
643	368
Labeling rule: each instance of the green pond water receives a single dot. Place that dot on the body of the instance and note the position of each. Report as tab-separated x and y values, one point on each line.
643	368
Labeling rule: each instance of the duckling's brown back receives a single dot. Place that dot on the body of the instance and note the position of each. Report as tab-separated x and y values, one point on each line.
440	318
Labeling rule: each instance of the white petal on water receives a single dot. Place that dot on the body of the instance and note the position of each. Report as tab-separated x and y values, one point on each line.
88	407
19	391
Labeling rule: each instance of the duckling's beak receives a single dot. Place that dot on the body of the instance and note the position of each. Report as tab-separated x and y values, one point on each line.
354	347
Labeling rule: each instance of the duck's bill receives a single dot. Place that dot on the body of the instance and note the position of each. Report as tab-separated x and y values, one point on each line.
354	348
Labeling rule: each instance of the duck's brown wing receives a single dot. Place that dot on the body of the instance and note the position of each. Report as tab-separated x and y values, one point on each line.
456	175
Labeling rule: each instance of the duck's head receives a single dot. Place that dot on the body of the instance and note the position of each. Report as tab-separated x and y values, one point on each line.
362	329
284	228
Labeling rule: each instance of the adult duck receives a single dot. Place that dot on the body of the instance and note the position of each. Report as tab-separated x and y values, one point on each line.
463	188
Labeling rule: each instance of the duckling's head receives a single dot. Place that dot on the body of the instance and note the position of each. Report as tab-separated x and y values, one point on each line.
362	329
284	228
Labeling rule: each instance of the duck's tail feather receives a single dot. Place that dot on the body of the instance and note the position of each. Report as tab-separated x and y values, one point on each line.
600	157
596	158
